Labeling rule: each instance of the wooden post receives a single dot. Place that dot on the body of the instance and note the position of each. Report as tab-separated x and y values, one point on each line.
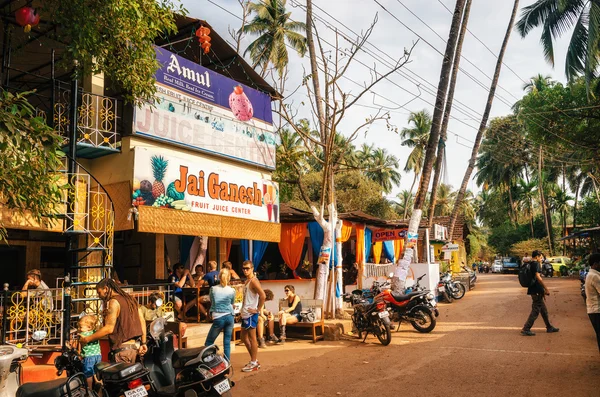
222	250
212	249
159	255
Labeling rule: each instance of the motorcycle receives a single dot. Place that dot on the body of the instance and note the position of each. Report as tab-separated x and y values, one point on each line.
582	276
11	358
370	317
416	307
452	288
201	371
547	269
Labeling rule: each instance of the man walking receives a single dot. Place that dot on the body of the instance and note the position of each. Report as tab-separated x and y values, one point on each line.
124	324
538	292
254	299
592	292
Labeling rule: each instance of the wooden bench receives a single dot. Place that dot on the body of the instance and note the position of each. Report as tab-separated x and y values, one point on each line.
317	306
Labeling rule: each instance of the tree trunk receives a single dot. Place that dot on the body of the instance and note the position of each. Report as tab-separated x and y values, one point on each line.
543	201
440	100
439	160
463	188
401	270
575	206
410	195
310	42
513	214
531	223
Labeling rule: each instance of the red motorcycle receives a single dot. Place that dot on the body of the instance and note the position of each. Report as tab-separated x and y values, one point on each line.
415	307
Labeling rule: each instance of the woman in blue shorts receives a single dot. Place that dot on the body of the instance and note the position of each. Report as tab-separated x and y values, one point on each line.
291	315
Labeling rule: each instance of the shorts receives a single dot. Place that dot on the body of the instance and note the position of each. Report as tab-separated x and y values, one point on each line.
89	364
298	317
178	297
250	322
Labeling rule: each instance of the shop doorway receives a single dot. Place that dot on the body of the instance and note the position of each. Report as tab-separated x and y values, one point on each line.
12	266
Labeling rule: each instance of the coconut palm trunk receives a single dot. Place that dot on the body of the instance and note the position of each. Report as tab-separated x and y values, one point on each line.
401	270
463	188
411	190
439	160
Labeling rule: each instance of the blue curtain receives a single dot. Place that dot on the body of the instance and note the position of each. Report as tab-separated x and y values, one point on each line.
245	249
368	243
388	250
258	251
316	237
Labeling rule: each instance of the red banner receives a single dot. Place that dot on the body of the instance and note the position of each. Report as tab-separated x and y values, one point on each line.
385	235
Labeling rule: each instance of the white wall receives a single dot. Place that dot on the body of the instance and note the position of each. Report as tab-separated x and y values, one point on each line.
305	289
416	270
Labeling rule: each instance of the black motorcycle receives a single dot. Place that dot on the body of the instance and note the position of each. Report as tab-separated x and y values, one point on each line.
370	318
547	270
453	289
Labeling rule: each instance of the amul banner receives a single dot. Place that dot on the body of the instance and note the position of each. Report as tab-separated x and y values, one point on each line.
385	235
200	184
201	109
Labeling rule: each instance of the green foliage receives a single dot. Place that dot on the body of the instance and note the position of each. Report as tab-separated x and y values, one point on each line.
477	246
526	247
30	157
588	212
115	37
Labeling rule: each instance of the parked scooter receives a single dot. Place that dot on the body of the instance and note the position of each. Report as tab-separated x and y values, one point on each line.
547	269
11	358
452	288
370	317
415	307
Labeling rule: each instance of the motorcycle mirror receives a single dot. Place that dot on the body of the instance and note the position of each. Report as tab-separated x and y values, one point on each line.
39	335
159	302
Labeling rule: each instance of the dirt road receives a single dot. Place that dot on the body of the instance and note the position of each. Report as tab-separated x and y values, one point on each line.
475	350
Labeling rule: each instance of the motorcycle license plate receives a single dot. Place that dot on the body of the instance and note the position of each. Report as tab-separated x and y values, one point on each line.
383	314
222	387
137	392
442	289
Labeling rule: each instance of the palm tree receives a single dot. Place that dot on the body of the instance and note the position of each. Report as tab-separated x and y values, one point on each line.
274	27
538	83
416	138
483	124
558	17
560	203
527	193
383	170
365	154
445	198
405	204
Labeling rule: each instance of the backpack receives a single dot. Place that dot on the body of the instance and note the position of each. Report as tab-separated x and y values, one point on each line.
526	278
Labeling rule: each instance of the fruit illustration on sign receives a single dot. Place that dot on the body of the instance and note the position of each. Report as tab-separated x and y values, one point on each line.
173	193
240	104
159	167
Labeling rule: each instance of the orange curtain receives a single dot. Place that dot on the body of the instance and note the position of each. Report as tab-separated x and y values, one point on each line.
228	246
291	244
346	232
360	252
377	247
398	248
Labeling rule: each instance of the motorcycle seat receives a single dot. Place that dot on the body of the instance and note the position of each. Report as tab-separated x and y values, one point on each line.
182	356
120	371
405	297
51	388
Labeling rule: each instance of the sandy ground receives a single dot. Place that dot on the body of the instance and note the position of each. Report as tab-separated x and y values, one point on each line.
475	350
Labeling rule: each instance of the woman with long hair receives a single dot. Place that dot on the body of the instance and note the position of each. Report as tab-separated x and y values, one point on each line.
291	315
222	297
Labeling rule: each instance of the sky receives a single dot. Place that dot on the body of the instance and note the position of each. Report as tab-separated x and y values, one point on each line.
487	24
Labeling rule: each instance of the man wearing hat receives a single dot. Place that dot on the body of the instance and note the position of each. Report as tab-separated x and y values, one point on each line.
34	281
538	292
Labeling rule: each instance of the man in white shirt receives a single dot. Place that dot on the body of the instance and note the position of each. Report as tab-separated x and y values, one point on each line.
592	291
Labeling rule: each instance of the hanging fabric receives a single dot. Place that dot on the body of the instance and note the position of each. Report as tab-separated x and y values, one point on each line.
258	251
316	237
291	245
245	249
360	252
377	252
388	250
368	243
346	232
398	249
228	243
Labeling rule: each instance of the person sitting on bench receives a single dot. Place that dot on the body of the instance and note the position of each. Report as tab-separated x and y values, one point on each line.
291	315
266	317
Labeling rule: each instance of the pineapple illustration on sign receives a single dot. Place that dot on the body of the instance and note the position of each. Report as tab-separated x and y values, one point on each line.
159	167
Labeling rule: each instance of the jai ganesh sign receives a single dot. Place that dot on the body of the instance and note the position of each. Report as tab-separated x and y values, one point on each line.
203	110
200	184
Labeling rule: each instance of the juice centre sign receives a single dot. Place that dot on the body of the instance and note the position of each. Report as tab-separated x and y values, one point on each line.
203	185
198	108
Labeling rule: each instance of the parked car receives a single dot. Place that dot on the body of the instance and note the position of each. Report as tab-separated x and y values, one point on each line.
557	262
497	266
510	264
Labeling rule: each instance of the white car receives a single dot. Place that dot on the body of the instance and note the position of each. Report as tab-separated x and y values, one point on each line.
497	267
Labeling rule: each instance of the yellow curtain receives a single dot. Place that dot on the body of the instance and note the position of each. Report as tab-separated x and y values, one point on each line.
346	232
398	249
360	252
291	244
377	247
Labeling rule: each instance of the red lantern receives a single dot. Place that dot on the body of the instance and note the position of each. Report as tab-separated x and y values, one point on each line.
27	17
204	38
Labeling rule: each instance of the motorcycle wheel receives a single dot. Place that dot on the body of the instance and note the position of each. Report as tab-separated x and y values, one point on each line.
427	322
460	291
384	333
447	297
